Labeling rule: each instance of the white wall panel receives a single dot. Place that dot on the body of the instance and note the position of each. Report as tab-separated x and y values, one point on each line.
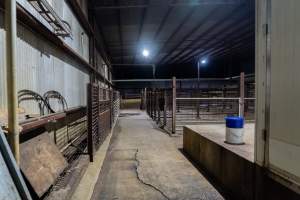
285	86
278	86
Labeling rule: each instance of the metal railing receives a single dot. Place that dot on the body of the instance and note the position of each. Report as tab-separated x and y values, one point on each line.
173	108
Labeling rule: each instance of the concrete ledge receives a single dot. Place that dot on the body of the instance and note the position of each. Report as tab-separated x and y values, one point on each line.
231	171
232	167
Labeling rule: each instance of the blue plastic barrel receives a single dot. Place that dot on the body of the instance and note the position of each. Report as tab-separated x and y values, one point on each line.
234	122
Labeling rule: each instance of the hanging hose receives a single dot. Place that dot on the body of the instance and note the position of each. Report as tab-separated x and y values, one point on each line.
56	95
28	95
63	103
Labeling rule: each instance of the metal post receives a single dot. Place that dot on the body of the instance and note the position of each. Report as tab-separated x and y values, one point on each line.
165	108
158	106
198	66
242	95
90	146
147	102
111	95
11	37
155	104
151	104
174	105
145	99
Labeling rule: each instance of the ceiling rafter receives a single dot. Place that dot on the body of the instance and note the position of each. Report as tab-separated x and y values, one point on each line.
196	28
120	29
212	27
187	16
234	34
141	26
229	46
220	43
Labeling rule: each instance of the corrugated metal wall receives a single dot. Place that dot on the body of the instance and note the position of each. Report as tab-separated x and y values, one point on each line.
41	67
79	41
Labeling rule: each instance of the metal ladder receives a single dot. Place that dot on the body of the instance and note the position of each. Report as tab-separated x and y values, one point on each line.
60	27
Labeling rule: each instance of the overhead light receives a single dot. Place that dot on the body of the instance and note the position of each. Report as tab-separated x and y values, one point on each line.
145	53
204	61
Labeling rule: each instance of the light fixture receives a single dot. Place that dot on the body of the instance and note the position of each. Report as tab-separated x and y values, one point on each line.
203	61
145	53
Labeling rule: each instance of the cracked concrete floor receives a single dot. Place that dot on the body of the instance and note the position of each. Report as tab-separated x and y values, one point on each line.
144	163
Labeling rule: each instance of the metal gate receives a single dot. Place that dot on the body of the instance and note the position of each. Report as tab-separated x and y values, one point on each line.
93	119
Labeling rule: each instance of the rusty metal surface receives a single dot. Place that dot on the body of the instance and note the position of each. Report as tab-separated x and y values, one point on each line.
92	117
41	162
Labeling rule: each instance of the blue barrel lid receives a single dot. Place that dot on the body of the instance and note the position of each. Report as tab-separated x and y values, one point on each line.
234	122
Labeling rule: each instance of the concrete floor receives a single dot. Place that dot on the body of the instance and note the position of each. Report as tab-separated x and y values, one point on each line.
143	162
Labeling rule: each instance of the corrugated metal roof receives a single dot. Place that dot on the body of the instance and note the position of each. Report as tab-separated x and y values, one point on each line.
187	27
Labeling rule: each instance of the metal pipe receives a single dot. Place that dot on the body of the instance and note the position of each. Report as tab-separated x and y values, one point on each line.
174	105
165	108
242	95
208	98
11	37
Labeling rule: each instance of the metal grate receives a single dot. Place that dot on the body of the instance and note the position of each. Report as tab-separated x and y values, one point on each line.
93	118
60	27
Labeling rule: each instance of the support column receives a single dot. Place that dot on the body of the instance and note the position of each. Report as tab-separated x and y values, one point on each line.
145	99
151	103
174	105
11	37
155	104
242	95
165	108
158	96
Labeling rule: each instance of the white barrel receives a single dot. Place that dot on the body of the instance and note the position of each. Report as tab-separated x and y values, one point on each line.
235	135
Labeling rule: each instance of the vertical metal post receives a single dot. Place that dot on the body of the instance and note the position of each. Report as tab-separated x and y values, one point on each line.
242	95
145	99
165	108
147	102
111	95
90	146
174	105
198	66
158	106
155	104
11	37
151	104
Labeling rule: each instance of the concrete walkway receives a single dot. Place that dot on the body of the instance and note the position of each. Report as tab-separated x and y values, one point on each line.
144	163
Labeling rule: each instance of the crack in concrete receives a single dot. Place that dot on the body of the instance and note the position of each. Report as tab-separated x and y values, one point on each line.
142	181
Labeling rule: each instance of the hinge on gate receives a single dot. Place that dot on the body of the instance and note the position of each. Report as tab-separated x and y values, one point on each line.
267	29
264	134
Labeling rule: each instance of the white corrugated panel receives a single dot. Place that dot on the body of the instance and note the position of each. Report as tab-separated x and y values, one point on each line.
41	67
80	42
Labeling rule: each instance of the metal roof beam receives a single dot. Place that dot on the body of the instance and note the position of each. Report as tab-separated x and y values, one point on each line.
197	27
187	16
216	24
141	26
192	4
120	30
216	44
